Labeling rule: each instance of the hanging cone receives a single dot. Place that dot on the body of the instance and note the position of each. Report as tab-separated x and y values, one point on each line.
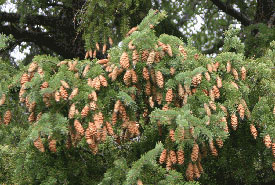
90	54
93	96
134	76
65	84
38	117
168	163
241	111
172	135
169	50
97	84
150	59
159	79
110	129
180	155
111	41
117	105
207	109
207	76
127	77
157	57
145	74
172	71
52	145
234	121
212	105
159	97
32	67
144	55
243	73
200	167
85	111
267	141
183	52
88	136
132	30
3	99
31	117
196	171
92	128
39	145
273	149
169	96
151	102
228	67
189	172
148	88
63	93
209	68
57	96
135	57
73	94
44	85
72	111
219	82
219	142
93	105
103	81
24	79
213	149
86	70
216	92
235	74
104	134
7	117
253	131
78	127
124	61
104	49
195	152
180	91
173	156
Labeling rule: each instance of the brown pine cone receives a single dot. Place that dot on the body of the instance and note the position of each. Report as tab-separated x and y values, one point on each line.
159	97
24	79
168	163
219	142
63	92
144	55
209	68
114	118
57	96
39	145
228	67
169	96
78	127
159	79
103	81
183	52
180	155
86	70
273	149
97	84
73	94
216	92
32	67
117	105
267	141
65	84
207	109
173	156
241	111
52	145
169	50
134	76
139	182
148	88
7	117
93	96
135	57
243	73
213	149
72	111
3	99
31	117
92	128
189	172
151	102
38	117
104	49
235	74
212	105
110	41
195	152
219	82
40	72
145	74
172	135
93	105
85	111
196	171
110	129
207	76
253	131
124	61
150	59
234	121
44	85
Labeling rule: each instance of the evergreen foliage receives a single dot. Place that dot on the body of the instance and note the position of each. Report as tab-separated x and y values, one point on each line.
108	121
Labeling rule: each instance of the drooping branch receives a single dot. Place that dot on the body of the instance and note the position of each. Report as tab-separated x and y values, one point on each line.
232	12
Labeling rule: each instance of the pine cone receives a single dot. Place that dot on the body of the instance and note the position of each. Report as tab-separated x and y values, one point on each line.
207	76
180	155
219	82
216	92
267	141
110	129
196	171
150	59
145	74
200	167
135	57
31	117
159	79
104	134
57	96
73	94
63	93
86	70
111	41
38	117
172	135
225	126
212	105
93	96
253	131
228	67
169	96
117	105
159	97
65	84
169	50
207	109
224	109
72	111
104	49
243	73
234	121
114	118
196	80
144	55
127	77
219	142
24	79
241	111
44	85
168	163
92	128
78	127
134	76
124	60
96	82
213	149
3	99
151	102
189	172
148	88
39	145
273	149
235	74
273	166
32	67
195	152
103	81
93	105
183	52
173	156
7	117
52	145
209	68
85	111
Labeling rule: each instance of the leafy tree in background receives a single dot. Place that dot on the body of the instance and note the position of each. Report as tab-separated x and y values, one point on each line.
58	27
109	121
